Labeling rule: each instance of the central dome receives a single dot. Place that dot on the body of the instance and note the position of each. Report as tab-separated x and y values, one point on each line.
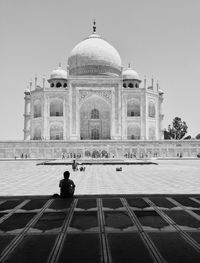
94	56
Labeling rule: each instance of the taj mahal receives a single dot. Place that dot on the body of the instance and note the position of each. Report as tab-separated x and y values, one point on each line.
95	108
95	98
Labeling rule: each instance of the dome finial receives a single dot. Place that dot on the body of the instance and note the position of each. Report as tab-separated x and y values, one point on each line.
129	65
59	64
94	27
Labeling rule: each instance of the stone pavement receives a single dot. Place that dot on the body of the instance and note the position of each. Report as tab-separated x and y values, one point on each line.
168	177
121	220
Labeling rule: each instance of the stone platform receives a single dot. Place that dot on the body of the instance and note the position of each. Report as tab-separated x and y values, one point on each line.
100	162
121	228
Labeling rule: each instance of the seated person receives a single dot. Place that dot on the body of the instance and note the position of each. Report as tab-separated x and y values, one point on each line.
66	185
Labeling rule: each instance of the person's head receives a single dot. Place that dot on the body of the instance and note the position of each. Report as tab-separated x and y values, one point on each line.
66	174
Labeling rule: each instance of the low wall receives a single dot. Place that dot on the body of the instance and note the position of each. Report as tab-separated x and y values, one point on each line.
117	149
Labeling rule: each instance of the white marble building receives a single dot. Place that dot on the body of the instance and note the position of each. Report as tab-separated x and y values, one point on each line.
94	99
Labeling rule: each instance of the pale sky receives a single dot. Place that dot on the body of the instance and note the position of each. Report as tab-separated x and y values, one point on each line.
158	37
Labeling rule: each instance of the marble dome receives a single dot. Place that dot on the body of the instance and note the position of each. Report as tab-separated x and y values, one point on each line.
130	74
94	56
58	73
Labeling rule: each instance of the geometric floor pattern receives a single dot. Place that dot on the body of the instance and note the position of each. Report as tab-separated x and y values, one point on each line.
110	229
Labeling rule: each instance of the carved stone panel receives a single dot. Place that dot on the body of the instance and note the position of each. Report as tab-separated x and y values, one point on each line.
85	94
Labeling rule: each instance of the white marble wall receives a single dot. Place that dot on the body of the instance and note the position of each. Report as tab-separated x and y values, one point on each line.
106	93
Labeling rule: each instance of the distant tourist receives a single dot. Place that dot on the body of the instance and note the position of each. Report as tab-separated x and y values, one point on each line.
74	166
67	186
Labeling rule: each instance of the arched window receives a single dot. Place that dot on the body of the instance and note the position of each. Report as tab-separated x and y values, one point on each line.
133	132
124	85
56	108
96	154
58	85
130	85
152	110
65	85
37	109
94	114
87	153
136	85
52	85
56	132
37	133
152	133
133	108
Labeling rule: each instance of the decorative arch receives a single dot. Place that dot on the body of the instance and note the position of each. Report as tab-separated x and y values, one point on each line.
87	153
152	109
133	132
133	108
37	109
96	154
56	108
56	131
152	133
58	85
130	85
37	133
95	119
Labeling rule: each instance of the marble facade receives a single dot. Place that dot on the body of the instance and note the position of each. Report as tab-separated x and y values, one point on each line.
94	99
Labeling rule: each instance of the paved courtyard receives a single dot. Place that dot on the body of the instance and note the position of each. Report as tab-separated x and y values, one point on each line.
126	227
168	177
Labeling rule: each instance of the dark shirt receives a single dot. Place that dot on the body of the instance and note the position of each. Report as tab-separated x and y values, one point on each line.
66	187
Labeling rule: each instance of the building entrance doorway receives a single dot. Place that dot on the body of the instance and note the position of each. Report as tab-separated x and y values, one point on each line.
95	115
95	134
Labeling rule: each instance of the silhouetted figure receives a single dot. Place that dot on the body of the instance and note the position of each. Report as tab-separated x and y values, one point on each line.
67	186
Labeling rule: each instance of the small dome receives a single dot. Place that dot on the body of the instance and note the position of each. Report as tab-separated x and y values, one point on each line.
94	56
58	73
130	74
27	91
160	91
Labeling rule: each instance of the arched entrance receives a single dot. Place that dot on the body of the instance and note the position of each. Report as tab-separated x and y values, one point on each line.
95	119
95	134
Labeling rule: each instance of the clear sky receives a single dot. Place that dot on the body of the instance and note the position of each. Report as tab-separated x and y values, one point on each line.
158	37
